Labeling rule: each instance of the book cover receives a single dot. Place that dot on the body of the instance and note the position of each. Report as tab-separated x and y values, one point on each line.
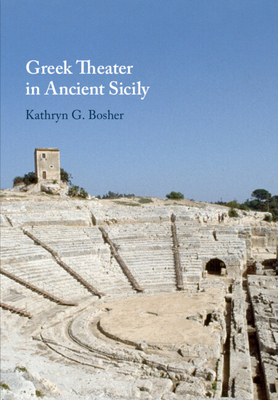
137	101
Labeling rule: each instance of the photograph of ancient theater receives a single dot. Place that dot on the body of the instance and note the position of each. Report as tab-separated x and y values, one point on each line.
133	297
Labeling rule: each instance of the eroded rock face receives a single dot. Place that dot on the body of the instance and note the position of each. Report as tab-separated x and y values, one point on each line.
263	292
50	188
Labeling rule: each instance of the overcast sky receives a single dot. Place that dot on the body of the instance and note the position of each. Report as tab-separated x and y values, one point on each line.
207	126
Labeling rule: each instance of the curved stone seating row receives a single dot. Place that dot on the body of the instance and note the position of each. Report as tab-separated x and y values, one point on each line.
39	205
48	276
124	214
21	297
103	272
70	241
147	249
120	261
191	266
154	214
73	273
50	218
12	237
35	289
154	270
33	271
57	338
135	231
66	233
150	364
17	247
85	252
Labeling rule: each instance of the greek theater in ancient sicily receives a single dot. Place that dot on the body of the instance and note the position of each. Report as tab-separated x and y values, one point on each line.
108	300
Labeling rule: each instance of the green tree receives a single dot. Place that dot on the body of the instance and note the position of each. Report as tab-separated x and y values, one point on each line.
17	180
112	195
233	213
73	191
30	178
83	193
65	176
233	204
261	195
267	218
175	196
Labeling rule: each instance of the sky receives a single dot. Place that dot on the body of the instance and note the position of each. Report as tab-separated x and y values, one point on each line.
207	126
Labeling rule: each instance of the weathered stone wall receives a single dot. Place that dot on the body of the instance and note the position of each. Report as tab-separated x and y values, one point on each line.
263	291
240	380
264	237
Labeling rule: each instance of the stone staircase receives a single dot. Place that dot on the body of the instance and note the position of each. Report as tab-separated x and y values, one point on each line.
147	249
103	272
61	263
114	252
15	310
85	253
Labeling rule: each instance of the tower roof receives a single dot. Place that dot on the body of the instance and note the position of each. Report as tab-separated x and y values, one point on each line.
46	149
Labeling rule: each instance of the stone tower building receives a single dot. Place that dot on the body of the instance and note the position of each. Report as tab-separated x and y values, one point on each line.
47	164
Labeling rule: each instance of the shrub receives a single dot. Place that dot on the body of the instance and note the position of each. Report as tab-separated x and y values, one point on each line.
27	179
4	386
30	178
83	193
145	200
73	191
244	207
17	180
113	195
21	369
65	176
125	203
267	218
233	204
175	196
233	213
